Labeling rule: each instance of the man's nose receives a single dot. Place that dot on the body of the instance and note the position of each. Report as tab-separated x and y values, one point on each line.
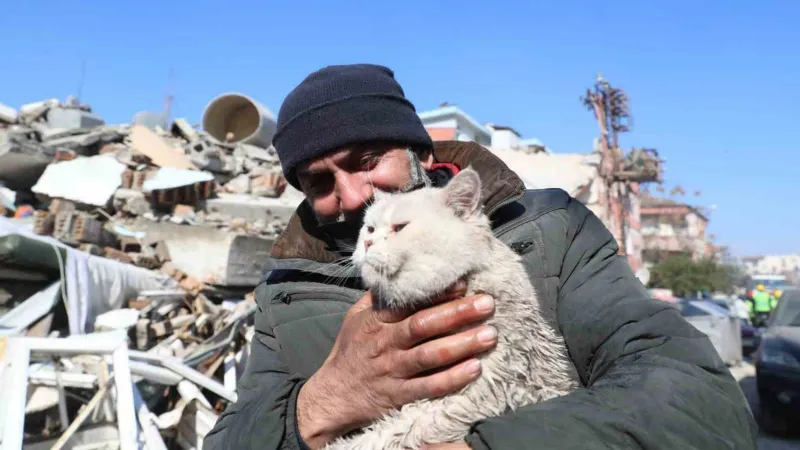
353	191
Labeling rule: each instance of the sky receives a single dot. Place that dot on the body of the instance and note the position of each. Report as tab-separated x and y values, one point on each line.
713	85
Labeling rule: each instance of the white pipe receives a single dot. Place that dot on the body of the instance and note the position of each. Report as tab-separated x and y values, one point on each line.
249	121
126	413
186	372
105	342
150	431
15	388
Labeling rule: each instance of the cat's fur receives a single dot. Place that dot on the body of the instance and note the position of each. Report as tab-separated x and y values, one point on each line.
447	237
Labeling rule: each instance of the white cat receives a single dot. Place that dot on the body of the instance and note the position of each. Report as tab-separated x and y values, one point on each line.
420	243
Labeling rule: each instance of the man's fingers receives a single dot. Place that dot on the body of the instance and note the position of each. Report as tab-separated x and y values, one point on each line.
442	319
441	383
447	350
457	290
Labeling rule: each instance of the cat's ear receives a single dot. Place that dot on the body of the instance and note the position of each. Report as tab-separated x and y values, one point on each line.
463	193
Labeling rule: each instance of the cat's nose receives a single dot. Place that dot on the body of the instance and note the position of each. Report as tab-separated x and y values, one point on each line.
367	245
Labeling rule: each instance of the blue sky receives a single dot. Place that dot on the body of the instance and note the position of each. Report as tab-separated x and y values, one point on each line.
714	85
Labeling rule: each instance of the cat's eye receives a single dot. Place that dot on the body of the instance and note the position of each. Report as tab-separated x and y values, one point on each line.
398	226
370	229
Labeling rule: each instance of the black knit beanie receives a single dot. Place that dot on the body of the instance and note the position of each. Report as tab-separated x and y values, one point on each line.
344	105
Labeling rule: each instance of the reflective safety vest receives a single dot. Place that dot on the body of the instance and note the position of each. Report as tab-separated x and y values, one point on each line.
762	302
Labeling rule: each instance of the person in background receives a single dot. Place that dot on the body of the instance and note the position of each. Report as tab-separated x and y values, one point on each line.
762	306
776	296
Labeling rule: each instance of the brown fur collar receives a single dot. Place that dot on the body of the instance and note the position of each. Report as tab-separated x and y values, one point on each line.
301	238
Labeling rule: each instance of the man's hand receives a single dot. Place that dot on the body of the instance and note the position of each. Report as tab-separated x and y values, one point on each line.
382	360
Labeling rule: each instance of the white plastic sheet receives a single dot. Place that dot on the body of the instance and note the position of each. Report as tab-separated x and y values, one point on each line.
94	284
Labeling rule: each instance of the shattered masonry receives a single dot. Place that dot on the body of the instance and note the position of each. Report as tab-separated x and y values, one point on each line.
143	241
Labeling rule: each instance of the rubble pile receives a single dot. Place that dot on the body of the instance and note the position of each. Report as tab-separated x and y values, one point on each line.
128	259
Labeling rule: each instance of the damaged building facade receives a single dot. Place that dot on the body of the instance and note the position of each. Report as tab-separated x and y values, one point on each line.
671	228
604	182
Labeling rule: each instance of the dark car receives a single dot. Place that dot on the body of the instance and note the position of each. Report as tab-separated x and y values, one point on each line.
778	365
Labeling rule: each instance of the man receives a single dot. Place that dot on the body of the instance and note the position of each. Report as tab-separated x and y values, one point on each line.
324	363
762	305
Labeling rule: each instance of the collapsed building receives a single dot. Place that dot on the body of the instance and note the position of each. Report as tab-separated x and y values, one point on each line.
128	258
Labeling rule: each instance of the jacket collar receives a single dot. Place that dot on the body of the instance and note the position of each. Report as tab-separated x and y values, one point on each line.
303	239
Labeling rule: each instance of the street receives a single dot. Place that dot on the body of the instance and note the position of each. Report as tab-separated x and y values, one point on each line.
745	374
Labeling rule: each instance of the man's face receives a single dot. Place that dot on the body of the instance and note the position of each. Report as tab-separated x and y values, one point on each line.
343	181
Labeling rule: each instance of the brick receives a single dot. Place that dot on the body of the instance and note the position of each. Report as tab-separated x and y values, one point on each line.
129	244
43	223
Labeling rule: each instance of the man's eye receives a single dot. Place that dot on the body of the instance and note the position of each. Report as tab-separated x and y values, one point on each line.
317	185
370	161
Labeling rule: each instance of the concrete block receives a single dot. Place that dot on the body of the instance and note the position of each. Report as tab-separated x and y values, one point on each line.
131	201
181	127
73	118
21	165
86	143
251	208
208	254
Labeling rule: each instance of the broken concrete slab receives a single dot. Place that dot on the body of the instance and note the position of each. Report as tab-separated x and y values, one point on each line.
8	114
171	177
90	180
85	142
252	208
72	118
211	255
29	108
238	185
22	162
154	147
131	201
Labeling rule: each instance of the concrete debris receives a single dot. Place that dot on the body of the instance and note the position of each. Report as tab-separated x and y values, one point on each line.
148	143
143	242
90	181
8	114
72	118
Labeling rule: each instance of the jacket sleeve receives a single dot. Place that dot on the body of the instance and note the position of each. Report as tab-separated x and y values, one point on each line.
263	417
652	381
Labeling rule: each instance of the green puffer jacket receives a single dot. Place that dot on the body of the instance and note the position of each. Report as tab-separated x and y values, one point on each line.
651	380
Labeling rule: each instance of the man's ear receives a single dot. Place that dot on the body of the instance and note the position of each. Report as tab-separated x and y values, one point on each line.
463	193
425	159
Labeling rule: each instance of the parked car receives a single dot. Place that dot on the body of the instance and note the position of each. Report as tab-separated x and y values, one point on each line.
778	365
721	327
